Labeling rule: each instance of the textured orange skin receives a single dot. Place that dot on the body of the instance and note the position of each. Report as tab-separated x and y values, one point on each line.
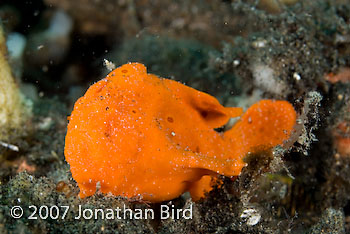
139	135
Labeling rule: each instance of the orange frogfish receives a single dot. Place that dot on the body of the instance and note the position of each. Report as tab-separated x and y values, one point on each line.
137	135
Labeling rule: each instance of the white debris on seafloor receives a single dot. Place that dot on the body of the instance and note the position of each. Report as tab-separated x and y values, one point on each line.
9	146
296	76
264	77
236	62
15	43
251	216
259	43
61	25
109	65
45	123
